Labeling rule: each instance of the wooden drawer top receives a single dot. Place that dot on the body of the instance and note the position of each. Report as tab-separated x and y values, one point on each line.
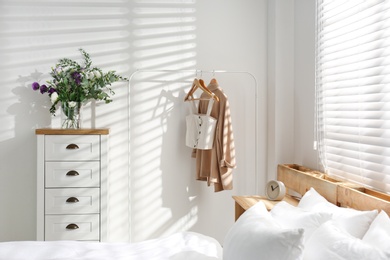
81	131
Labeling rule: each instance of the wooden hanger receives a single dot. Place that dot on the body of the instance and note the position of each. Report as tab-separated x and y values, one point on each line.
199	84
207	90
195	85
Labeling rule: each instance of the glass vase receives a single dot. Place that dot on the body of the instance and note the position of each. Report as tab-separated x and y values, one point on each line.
71	112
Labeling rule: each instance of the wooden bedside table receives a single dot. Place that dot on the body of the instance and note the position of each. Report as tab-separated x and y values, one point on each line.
242	203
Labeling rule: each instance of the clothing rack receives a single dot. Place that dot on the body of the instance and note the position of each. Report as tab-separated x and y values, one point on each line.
196	73
213	72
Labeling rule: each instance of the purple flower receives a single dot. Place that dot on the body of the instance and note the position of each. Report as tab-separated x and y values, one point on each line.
35	86
43	89
51	91
77	77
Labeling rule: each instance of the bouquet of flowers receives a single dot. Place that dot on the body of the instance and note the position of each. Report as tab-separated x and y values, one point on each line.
75	83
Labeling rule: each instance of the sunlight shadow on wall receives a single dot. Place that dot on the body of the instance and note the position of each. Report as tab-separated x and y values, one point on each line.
162	190
162	186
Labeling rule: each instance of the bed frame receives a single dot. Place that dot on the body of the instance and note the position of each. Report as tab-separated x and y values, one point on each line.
299	179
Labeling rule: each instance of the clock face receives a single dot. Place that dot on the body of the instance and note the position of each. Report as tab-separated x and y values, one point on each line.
275	190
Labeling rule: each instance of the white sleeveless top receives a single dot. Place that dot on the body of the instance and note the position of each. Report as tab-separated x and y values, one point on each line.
200	128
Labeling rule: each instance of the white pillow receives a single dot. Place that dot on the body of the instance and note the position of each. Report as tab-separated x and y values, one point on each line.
289	216
330	241
378	234
355	222
256	235
311	199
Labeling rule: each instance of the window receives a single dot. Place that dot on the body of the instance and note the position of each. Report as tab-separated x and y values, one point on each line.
353	90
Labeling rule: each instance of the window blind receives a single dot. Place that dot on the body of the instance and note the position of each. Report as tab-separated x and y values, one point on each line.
353	90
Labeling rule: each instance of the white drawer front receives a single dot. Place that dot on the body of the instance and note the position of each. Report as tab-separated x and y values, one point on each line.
72	201
72	174
72	227
72	147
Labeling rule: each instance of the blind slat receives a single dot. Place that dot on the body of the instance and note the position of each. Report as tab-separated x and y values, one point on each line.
353	90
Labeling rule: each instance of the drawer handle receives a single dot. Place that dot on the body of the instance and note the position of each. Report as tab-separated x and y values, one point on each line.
72	200
72	173
72	147
72	226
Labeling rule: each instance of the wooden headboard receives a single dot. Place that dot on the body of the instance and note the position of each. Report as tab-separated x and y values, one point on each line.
300	179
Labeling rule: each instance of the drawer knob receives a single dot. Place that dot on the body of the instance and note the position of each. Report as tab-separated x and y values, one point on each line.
72	147
72	200
72	173
72	226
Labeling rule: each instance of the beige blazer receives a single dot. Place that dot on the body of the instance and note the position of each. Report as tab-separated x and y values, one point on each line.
216	165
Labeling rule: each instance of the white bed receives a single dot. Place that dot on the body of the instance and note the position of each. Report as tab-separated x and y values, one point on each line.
333	219
317	228
185	245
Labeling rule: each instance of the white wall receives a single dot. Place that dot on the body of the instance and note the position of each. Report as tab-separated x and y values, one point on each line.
274	40
291	62
126	36
34	35
304	83
280	84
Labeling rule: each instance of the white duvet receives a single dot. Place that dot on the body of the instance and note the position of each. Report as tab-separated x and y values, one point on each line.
186	246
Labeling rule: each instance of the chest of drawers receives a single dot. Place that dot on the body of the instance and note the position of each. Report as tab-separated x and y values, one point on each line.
72	170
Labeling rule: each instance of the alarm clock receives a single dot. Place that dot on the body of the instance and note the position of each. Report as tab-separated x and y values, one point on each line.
275	190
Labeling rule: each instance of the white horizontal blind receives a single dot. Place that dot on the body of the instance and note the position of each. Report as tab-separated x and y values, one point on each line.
353	90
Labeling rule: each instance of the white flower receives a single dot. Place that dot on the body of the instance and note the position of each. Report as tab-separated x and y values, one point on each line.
54	97
58	69
97	74
91	75
72	104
